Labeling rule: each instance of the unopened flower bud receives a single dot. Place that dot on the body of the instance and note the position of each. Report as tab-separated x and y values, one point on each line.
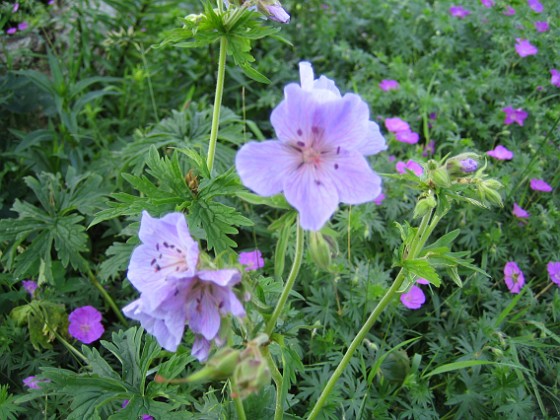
463	163
488	192
440	177
252	372
424	206
273	10
221	366
319	250
469	165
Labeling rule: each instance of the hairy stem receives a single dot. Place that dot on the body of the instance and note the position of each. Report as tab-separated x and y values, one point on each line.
278	381
238	402
107	298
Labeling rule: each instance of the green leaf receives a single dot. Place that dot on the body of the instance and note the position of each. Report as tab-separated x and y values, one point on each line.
8	409
449	367
254	74
422	268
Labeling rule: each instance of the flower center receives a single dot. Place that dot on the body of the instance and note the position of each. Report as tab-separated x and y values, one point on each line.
169	255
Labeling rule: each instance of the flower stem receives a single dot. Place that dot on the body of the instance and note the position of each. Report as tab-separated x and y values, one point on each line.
217	104
278	381
107	298
416	246
238	402
290	282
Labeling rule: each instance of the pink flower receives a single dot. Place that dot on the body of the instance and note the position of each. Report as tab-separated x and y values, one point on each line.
415	167
421	280
11	31
514	116
429	149
553	269
510	11
85	324
22	26
541	26
540	185
414	298
459	12
395	125
389	85
407	136
525	48
500	153
555	79
252	260
520	212
487	3
513	277
535	5
379	199
32	382
15	8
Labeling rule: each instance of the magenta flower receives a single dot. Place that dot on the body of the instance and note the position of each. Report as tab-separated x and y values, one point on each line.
22	26
510	11
11	31
487	3
519	212
524	48
553	269
30	286
540	185
415	167
379	199
459	12
514	116
513	276
469	165
85	324
319	159
395	125
421	280
555	79
387	85
252	260
32	382
15	8
500	153
414	298
407	136
541	26
535	5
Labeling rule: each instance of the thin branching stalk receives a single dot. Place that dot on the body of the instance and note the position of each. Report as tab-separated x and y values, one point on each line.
107	298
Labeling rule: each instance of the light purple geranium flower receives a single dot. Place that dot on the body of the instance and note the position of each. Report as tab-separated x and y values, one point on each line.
30	286
555	79
540	185
500	153
510	11
487	3
517	116
319	159
394	125
277	13
519	212
85	324
459	12
553	269
414	298
541	26
535	5
513	276
32	382
411	165
387	85
524	48
252	260
22	26
407	136
379	199
15	8
469	165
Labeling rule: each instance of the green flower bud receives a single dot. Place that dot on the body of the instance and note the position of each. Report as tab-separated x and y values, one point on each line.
440	177
319	250
487	190
221	366
252	372
424	206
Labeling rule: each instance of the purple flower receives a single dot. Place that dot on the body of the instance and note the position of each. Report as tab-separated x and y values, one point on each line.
525	48
421	280
277	13
32	382
415	167
429	148
319	159
555	79
379	199
22	26
387	85
553	269
146	417
51	2
15	8
124	403
407	136
253	260
513	277
514	116
85	324
459	12
500	153
519	212
11	31
541	26
414	298
540	185
510	11
487	3
395	125
535	5
468	165
30	286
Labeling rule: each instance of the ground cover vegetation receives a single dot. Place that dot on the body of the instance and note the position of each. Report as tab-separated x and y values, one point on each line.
247	209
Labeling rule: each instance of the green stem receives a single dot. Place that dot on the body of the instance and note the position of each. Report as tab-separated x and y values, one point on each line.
71	348
418	242
217	103
290	282
107	298
238	402
278	381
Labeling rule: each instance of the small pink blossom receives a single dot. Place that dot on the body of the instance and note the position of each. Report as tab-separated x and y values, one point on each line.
421	280
519	212
500	153
541	26
555	79
553	269
407	136
22	26
459	12
524	48
415	167
85	324
379	199
510	11
540	185
517	116
32	382
11	31
535	5
252	260
487	3
414	298
386	85
395	125
513	277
